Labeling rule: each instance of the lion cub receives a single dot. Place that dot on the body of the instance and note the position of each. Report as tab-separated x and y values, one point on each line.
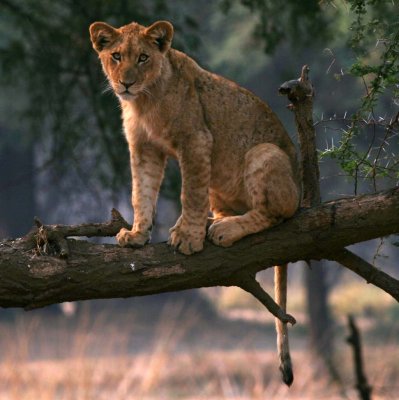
236	159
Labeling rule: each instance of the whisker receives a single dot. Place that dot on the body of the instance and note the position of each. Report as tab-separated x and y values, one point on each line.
107	88
147	92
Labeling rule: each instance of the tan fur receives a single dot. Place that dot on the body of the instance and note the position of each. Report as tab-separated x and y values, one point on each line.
233	151
236	159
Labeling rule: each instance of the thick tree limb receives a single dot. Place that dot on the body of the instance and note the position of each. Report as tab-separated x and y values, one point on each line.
107	271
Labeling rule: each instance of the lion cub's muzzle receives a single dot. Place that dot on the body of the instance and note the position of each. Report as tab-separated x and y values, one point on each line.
127	84
124	89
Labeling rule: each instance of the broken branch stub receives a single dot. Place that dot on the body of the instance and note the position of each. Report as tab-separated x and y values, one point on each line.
52	239
300	92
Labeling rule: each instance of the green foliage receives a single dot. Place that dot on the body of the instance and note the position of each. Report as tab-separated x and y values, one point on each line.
232	50
374	40
299	22
368	144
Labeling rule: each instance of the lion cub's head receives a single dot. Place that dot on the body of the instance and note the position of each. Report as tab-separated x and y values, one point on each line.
133	56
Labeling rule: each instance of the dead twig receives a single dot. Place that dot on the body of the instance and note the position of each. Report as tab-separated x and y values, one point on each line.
354	340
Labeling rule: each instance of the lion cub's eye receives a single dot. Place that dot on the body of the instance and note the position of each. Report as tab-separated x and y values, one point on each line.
116	56
142	58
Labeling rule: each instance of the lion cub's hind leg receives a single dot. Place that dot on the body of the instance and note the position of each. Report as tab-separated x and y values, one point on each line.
219	208
271	193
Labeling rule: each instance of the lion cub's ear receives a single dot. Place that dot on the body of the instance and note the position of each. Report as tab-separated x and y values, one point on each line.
160	33
102	35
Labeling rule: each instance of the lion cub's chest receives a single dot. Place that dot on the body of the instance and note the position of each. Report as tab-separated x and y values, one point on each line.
150	126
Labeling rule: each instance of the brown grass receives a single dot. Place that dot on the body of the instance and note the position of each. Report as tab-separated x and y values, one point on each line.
117	357
214	374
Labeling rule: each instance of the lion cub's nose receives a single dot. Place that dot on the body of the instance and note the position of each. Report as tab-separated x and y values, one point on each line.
127	84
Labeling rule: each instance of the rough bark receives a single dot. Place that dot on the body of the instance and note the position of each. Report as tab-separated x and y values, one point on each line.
29	279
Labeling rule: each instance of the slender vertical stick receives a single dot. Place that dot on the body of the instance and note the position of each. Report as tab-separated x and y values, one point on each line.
362	385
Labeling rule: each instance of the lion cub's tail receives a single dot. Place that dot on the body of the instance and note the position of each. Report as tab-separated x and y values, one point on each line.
280	289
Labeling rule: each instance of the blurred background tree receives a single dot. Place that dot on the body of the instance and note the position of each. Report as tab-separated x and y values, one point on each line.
62	151
56	87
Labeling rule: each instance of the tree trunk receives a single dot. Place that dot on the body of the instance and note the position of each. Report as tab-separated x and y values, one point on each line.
319	317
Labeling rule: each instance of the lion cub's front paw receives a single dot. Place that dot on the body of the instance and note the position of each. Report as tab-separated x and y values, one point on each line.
224	232
186	241
130	238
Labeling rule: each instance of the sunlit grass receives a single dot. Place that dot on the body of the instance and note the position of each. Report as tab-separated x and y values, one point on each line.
212	374
112	356
357	297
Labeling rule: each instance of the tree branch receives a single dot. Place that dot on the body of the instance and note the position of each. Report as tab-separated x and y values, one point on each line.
367	271
300	92
252	286
50	239
94	271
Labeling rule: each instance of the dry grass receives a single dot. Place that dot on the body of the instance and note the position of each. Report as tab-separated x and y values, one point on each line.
160	375
170	375
114	357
